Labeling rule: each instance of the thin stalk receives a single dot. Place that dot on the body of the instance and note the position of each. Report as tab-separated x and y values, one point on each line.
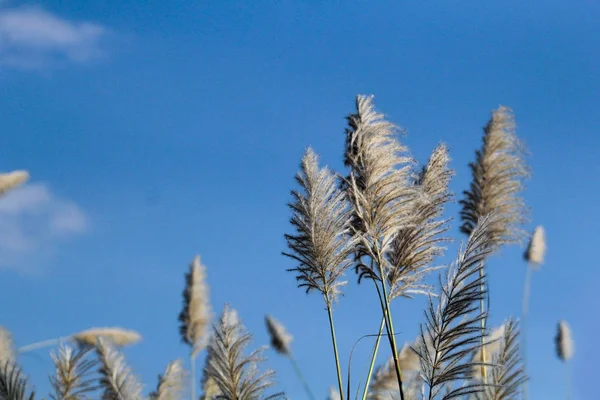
525	313
385	308
568	380
373	357
193	375
301	377
335	350
482	310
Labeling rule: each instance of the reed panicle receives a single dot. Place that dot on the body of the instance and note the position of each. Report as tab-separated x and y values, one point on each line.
416	246
74	377
117	381
236	374
498	173
565	346
451	331
280	338
536	249
13	383
507	371
115	336
7	347
11	180
385	385
170	383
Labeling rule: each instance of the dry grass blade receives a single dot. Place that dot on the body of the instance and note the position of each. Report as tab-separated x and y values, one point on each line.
565	347
507	372
116	336
13	384
73	379
171	383
196	313
7	348
117	380
321	219
536	249
416	246
236	374
498	174
280	338
378	184
11	180
451	332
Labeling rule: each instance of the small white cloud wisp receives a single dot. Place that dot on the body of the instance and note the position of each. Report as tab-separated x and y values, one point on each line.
33	38
34	223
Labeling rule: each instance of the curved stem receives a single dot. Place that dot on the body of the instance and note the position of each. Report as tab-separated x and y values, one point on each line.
335	350
301	376
373	357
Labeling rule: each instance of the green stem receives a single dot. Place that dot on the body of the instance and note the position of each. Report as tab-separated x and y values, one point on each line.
335	350
373	357
301	376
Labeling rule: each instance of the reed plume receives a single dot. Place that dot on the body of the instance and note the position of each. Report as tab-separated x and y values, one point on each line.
196	314
534	255
378	187
498	173
115	336
507	370
7	347
451	333
11	180
170	384
73	379
333	394
236	374
565	347
13	383
416	246
321	245
280	341
117	380
385	384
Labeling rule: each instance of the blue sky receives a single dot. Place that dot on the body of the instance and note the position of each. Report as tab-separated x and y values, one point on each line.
157	130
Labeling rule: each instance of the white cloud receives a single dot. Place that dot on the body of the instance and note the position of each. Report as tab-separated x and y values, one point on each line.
31	38
33	224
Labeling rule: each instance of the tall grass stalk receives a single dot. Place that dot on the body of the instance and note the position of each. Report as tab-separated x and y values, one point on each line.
335	351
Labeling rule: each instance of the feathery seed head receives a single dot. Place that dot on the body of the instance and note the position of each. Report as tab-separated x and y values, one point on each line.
334	393
565	346
320	216
7	349
116	336
385	379
73	379
280	338
196	313
498	174
536	250
117	380
11	180
171	383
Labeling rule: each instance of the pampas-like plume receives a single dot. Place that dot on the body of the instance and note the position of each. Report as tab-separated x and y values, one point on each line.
196	313
415	246
73	377
507	372
334	394
170	384
384	383
117	380
280	338
536	250
236	374
451	331
493	343
378	184
498	174
11	180
13	384
115	336
7	349
320	217
565	346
